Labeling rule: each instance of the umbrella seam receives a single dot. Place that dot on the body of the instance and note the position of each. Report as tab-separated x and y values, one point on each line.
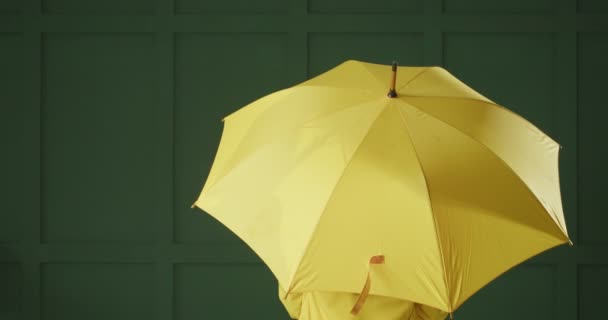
212	173
331	195
414	78
440	68
218	176
500	159
491	103
428	192
372	74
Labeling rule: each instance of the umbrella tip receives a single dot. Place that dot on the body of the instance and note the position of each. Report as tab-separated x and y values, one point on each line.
392	93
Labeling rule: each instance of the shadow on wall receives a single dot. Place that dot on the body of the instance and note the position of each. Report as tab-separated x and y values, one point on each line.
11	284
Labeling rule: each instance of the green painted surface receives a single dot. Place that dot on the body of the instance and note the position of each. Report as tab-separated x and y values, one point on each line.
10	6
97	291
110	115
592	6
592	285
240	6
102	138
326	50
593	48
12	117
11	299
362	7
98	7
494	6
240	291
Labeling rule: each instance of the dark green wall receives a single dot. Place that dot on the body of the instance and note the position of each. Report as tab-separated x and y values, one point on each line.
110	115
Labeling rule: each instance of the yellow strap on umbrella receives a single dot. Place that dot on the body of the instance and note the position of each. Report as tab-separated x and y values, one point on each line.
365	292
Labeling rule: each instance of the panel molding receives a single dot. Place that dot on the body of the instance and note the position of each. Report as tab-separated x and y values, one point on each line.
594	298
16	140
31	231
255	23
69	7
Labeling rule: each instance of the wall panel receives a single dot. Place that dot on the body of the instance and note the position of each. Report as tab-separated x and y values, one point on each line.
592	285
97	7
242	291
365	7
593	66
110	116
11	291
101	128
10	7
498	7
231	6
97	291
592	6
13	190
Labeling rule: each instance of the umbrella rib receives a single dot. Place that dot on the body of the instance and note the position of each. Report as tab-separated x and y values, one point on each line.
425	70
279	137
428	192
458	98
380	81
546	216
331	195
217	176
489	102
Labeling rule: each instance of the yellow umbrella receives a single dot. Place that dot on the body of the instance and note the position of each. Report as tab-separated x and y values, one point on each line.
412	201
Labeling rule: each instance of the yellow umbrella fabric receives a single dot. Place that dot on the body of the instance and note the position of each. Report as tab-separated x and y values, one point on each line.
448	187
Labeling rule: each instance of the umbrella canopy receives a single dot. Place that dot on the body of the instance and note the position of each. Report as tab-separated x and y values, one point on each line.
422	196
